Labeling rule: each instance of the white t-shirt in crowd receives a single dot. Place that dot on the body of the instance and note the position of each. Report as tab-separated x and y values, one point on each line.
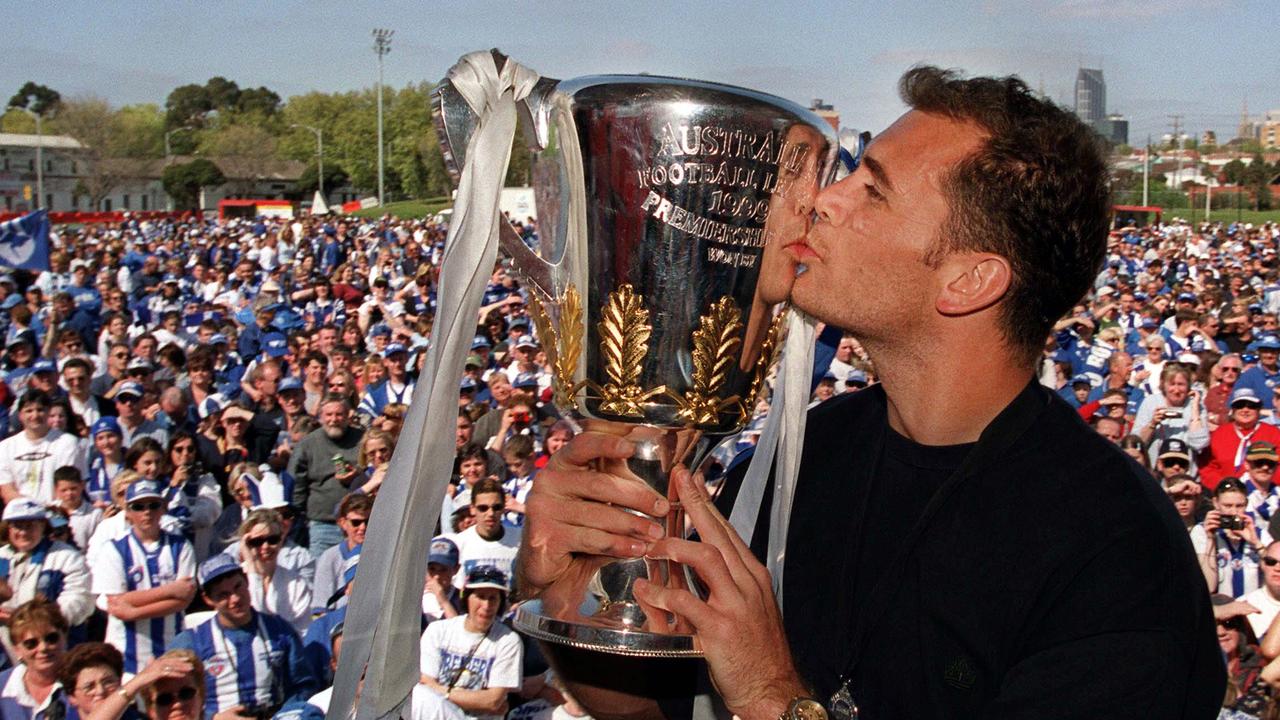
451	654
28	465
1267	604
474	551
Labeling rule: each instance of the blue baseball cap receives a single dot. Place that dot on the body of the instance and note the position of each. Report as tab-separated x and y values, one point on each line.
105	424
525	341
219	565
290	383
393	348
275	345
443	551
141	489
1186	297
211	405
22	508
44	365
1081	378
1267	342
1150	324
525	381
380	329
130	388
486	576
856	377
10	302
467	384
218	339
480	341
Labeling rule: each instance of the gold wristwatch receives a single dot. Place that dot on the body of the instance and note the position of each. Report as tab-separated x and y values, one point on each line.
803	708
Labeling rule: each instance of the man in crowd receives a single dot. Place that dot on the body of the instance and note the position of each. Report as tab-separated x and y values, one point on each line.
1225	455
29	459
323	466
489	542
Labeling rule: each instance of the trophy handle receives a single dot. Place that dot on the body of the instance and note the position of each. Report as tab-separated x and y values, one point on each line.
455	123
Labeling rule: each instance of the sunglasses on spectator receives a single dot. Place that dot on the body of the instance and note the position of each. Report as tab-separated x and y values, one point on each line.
145	506
1268	561
486	508
357	522
1265	464
166	699
1231	369
257	542
50	638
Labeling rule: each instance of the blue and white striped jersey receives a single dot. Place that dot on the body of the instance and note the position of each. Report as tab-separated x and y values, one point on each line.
125	565
259	667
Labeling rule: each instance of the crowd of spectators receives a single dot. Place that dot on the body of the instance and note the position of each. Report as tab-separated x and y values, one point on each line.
200	414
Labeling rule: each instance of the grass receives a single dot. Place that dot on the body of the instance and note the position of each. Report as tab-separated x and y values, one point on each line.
407	208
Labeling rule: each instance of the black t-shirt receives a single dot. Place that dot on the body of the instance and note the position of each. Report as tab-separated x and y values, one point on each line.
906	478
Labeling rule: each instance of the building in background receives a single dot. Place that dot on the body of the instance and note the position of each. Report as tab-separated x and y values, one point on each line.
826	112
1115	128
1091	96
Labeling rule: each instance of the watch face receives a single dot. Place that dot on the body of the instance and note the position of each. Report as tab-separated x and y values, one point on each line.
807	709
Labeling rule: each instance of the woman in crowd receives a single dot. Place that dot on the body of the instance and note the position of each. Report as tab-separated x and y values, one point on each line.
228	443
178	693
39	634
376	448
1176	411
91	675
273	588
1246	691
193	493
1134	447
557	437
39	567
372	372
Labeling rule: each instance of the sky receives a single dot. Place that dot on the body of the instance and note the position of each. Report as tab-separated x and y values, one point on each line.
1202	59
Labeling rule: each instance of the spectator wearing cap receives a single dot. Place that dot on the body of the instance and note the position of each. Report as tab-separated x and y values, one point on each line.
353	521
1174	459
1079	391
274	491
440	597
1175	412
319	482
106	460
1259	482
253	660
226	443
1265	376
145	579
524	352
470	662
396	388
133	420
29	458
1228	445
1237	546
44	377
34	566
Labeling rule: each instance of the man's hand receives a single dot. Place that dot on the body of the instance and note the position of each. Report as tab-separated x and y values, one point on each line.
1237	608
739	623
575	512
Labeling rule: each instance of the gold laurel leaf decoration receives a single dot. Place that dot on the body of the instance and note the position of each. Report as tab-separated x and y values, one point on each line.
569	352
714	343
769	351
542	323
624	342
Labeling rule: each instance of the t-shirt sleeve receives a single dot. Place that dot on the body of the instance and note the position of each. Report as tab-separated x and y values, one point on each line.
507	662
186	561
108	573
429	651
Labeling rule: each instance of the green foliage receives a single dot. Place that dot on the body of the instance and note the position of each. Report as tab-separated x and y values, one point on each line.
407	209
39	99
183	182
334	176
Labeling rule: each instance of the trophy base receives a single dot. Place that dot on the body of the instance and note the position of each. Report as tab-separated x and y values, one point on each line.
612	629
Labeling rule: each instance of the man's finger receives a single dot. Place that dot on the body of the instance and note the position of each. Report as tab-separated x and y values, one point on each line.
577	485
541	509
585	448
710	524
707	561
679	602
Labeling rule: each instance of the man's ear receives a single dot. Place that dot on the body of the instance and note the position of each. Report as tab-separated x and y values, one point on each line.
972	282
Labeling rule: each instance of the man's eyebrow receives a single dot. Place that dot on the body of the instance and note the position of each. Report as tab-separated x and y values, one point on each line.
877	170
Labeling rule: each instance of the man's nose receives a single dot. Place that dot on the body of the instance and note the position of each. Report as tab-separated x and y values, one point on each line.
831	204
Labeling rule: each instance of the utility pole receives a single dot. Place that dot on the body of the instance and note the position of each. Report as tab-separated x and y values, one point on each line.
1146	172
319	154
381	46
1177	142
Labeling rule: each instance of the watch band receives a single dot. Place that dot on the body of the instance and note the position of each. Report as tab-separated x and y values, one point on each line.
804	708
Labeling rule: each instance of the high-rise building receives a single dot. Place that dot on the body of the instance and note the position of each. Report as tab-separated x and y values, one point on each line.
1115	128
1091	95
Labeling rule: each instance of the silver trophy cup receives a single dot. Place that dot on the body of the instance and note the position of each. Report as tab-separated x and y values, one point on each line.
663	206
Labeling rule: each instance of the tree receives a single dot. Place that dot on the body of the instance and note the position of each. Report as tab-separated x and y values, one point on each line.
1258	177
223	94
98	128
334	176
184	181
187	105
1234	171
39	99
141	132
259	100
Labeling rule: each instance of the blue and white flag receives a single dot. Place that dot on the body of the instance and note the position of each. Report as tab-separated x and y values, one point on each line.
24	241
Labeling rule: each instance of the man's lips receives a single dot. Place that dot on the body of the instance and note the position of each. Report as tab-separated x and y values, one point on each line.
800	251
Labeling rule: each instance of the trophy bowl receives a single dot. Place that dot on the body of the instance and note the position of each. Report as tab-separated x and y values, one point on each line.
655	289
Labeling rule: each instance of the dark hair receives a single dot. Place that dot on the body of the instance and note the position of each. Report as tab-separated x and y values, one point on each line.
486	485
519	447
473	451
355	502
34	397
1036	193
67	473
1230	484
87	655
140	447
78	362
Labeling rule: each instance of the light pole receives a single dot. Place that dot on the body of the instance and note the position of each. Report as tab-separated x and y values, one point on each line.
381	46
39	154
319	154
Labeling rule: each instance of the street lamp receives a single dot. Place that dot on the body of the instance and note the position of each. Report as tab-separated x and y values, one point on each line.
319	154
381	46
39	154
